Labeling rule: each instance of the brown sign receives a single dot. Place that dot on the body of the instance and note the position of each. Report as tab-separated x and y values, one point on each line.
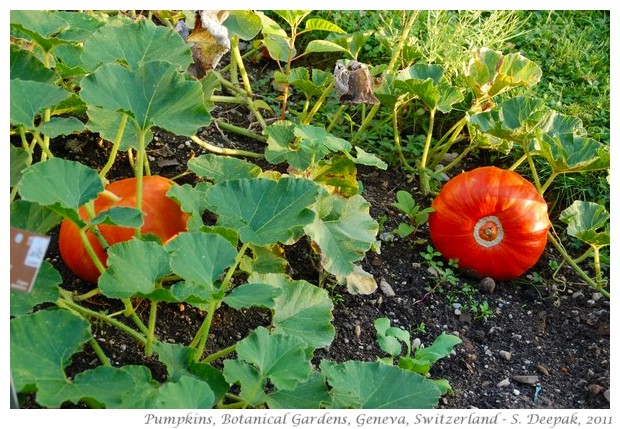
27	253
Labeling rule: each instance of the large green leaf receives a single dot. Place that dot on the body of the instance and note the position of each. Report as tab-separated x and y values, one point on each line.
200	258
311	393
252	295
45	289
136	43
192	201
81	25
571	153
57	181
186	393
39	26
243	23
372	385
29	99
343	230
337	173
426	81
282	359
41	347
33	217
585	220
26	66
264	211
58	126
106	123
134	267
220	168
154	94
490	73
280	136
303	310
20	159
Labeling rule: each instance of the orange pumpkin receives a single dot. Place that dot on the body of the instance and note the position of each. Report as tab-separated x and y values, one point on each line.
162	217
492	220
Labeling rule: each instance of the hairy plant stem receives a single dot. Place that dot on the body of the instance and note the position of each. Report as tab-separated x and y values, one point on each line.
335	117
224	151
236	54
219	354
139	173
83	311
200	339
518	162
117	143
85	296
548	182
241	131
399	149
150	336
441	148
424	176
318	104
99	352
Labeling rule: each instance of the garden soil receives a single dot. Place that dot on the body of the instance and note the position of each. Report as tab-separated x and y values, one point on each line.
544	343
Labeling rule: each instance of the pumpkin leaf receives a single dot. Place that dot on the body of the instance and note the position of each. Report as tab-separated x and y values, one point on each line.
200	257
187	392
425	357
29	99
124	278
280	136
252	295
584	220
135	44
58	126
42	344
39	26
220	168
264	211
70	184
106	123
265	260
121	216
337	173
343	230
370	385
490	73
303	310
308	394
20	159
571	153
154	94
33	217
192	201
365	158
282	359
389	337
45	289
26	66
360	282
243	23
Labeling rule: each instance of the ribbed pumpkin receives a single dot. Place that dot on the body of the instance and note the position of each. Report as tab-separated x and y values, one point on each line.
162	217
492	220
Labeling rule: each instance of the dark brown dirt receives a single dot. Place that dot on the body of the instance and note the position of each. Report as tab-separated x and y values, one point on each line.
536	326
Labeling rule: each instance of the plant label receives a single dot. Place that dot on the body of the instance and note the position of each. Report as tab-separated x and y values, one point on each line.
27	253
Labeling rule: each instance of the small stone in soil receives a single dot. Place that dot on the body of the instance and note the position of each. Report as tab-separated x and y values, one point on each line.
506	355
487	284
505	382
526	379
595	389
386	288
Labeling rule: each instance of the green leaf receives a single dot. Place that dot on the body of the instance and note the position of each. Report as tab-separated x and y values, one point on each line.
490	73
186	393
249	380
243	23
344	231
269	26
319	24
134	267
45	23
584	220
293	17
317	141
61	127
371	385
427	356
264	211
135	44
201	258
405	203
571	153
307	395
425	90
41	347
143	389
323	46
219	168
280	136
281	358
20	159
121	216
192	201
303	310
26	66
33	217
103	385
353	43
252	295
364	158
360	282
389	337
45	289
155	94
265	260
29	99
107	122
80	25
68	183
278	47
338	173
